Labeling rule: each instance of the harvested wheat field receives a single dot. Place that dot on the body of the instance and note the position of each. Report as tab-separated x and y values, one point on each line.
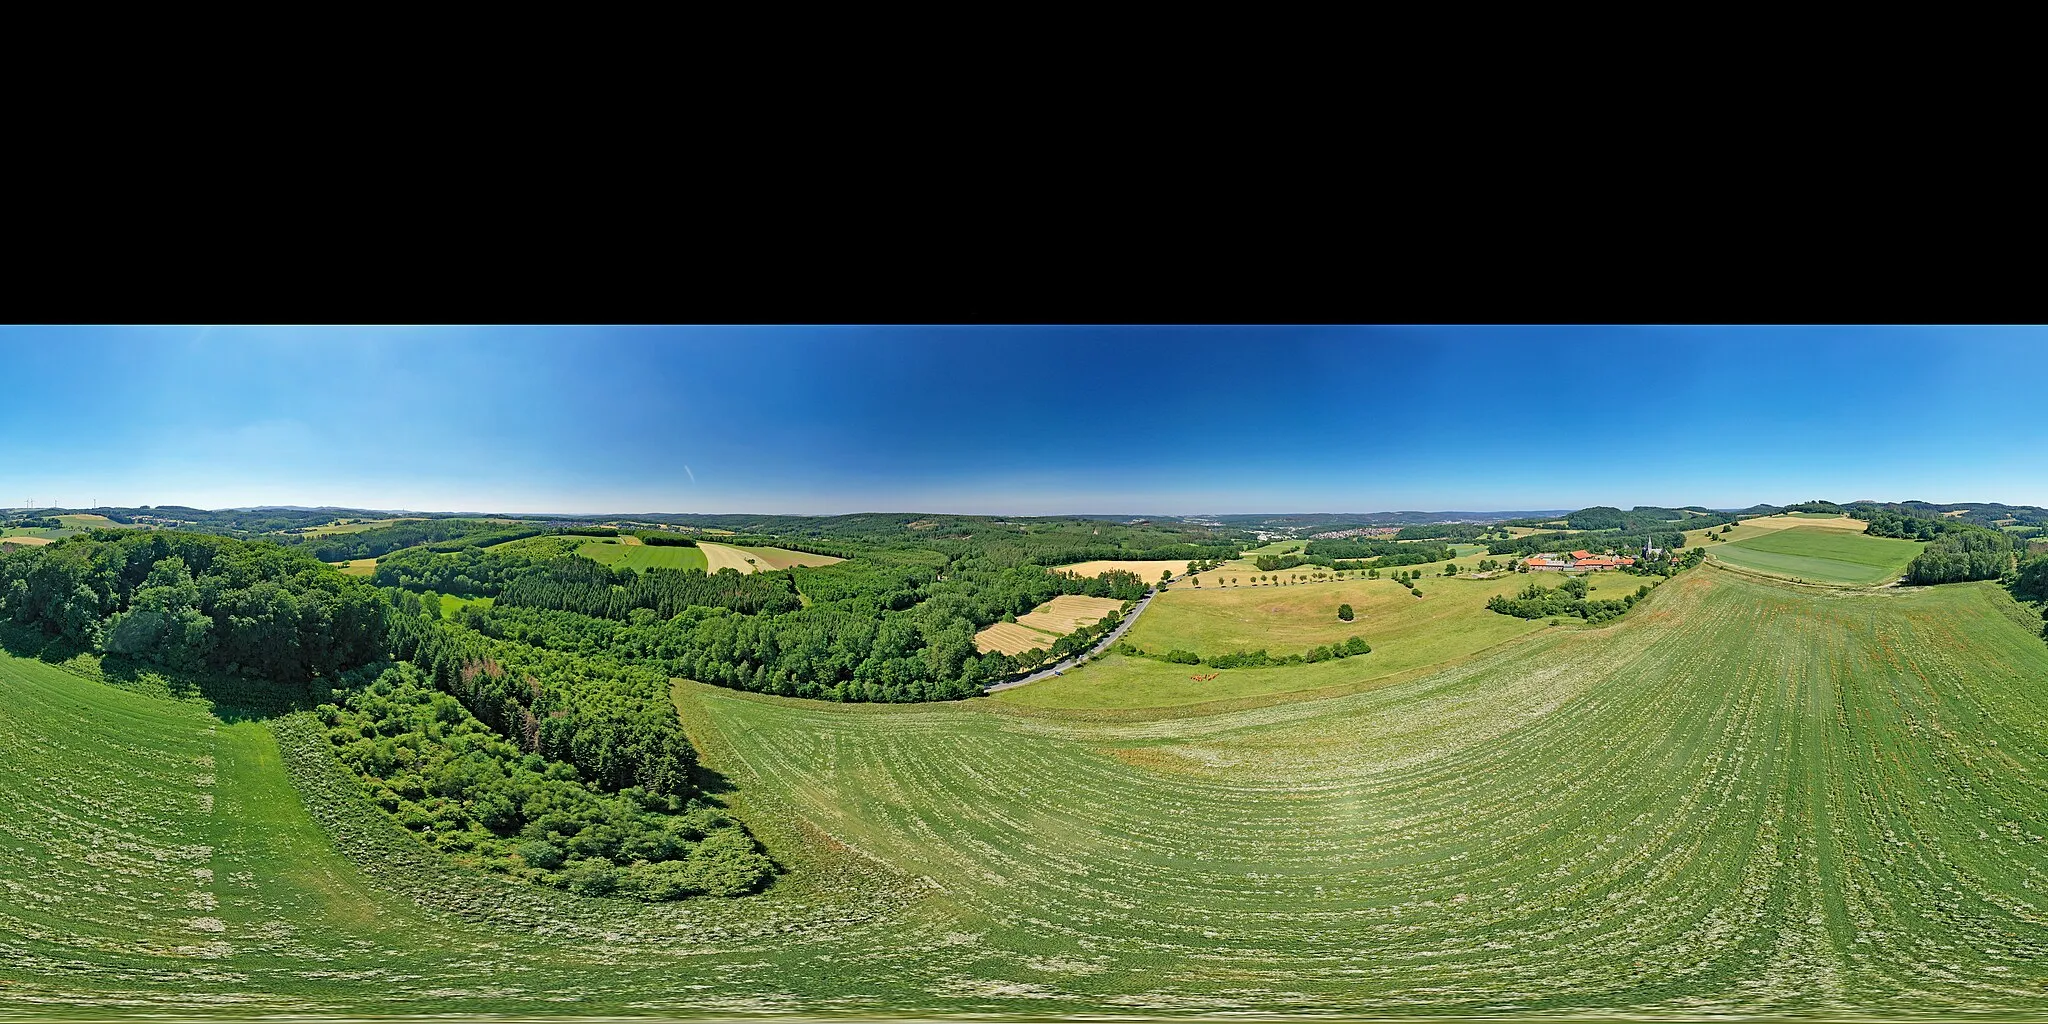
1011	638
1068	612
1148	570
725	556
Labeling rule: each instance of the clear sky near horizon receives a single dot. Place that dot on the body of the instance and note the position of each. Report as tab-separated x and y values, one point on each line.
1020	420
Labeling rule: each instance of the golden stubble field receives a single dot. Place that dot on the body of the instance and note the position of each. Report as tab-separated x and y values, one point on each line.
1046	623
725	556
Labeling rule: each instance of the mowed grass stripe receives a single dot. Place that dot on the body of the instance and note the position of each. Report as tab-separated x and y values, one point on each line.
1742	798
1664	809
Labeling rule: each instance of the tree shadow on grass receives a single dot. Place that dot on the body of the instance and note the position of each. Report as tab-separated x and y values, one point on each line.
230	698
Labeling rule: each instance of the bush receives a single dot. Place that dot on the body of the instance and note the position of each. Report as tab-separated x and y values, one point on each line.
1344	612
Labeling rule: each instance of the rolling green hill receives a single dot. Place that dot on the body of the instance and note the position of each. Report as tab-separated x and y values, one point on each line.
1742	798
1821	555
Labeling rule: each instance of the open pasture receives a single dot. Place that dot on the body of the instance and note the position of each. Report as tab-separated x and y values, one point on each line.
629	553
757	559
1740	800
1824	554
1743	799
83	521
1147	570
1762	525
1449	622
359	526
1012	638
1069	612
357	567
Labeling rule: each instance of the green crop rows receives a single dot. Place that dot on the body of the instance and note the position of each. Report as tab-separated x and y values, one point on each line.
1743	798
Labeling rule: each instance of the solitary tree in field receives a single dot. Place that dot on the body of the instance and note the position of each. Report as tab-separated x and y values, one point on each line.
1233	581
1344	612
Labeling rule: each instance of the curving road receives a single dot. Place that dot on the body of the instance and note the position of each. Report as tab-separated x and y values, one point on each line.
1075	659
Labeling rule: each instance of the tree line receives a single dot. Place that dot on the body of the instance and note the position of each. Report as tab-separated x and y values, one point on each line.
190	601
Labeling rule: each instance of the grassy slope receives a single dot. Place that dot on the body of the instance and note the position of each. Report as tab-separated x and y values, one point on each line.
1743	798
1449	622
1820	554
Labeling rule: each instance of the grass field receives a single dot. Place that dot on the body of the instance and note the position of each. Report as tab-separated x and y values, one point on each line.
450	603
1772	524
726	556
360	526
1449	622
1742	799
357	567
1820	554
629	553
1147	570
82	521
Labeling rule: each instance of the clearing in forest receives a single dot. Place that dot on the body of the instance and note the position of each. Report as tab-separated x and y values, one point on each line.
1821	554
1069	612
727	556
624	552
357	567
1011	638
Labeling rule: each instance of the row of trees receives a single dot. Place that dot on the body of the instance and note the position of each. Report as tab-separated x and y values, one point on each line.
1349	648
1536	601
1387	552
382	540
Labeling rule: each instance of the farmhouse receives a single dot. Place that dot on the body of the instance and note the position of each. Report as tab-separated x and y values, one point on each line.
1577	561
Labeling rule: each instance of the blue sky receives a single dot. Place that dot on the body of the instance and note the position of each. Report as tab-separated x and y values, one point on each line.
1019	420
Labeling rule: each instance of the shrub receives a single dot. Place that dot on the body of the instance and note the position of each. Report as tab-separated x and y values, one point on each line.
1344	612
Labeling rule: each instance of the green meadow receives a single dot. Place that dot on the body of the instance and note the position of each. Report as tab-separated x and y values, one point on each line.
1741	799
620	555
1821	555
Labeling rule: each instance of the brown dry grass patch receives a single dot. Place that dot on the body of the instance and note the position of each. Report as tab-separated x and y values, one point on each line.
1011	638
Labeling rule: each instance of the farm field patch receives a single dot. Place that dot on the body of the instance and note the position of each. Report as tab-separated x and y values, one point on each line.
1449	622
1820	554
1012	638
727	556
629	553
1068	612
1761	525
361	526
357	567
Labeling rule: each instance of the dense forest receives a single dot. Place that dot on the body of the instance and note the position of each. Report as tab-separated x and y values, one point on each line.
447	534
188	601
503	806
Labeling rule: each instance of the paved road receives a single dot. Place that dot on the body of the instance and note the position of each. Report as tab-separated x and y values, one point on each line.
1072	660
